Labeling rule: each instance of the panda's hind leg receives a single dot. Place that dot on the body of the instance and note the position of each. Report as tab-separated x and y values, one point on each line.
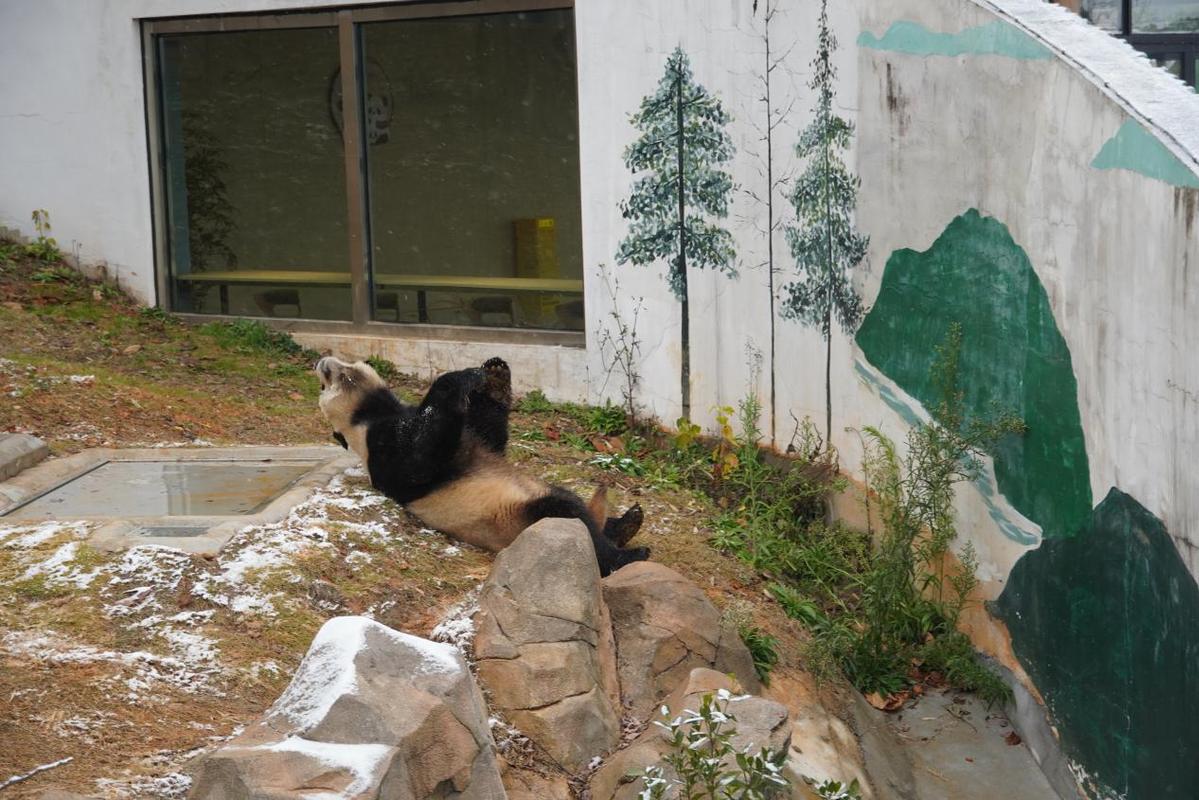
623	528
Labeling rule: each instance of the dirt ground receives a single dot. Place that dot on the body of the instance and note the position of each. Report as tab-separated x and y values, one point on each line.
131	663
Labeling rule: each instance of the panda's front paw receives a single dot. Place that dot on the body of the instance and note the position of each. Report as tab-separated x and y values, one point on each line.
497	381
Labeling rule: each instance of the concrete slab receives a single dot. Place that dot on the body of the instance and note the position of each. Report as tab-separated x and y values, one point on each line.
20	451
102	486
955	748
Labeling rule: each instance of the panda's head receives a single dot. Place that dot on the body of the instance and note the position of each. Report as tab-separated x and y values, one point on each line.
346	389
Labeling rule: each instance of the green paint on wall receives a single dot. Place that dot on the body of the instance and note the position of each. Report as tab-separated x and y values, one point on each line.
1013	358
1107	624
1134	148
993	39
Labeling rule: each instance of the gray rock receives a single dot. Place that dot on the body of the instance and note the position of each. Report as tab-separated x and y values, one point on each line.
665	626
371	713
543	643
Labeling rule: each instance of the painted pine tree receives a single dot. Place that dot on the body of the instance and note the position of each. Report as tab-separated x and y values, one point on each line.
824	241
680	190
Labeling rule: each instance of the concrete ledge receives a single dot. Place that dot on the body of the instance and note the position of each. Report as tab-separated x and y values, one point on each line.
202	535
18	452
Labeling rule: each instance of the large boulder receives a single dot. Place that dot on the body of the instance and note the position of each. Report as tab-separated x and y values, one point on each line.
371	713
543	643
760	723
665	626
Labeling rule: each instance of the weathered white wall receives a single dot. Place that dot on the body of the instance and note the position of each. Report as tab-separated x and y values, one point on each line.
73	129
622	56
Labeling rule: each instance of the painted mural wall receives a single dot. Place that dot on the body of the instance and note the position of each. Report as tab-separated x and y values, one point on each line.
1005	190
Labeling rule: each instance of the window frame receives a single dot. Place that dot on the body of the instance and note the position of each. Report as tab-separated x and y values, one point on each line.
348	22
1154	45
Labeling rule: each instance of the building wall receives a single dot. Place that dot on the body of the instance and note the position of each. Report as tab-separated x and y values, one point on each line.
1052	212
1022	174
73	125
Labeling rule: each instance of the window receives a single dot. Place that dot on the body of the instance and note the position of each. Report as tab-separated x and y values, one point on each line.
1165	30
448	195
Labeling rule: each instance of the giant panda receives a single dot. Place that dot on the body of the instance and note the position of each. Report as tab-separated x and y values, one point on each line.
444	458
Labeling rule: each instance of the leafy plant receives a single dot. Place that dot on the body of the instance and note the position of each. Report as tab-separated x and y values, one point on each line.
907	595
245	336
680	190
44	247
620	463
704	765
836	790
606	420
825	242
385	369
763	648
534	402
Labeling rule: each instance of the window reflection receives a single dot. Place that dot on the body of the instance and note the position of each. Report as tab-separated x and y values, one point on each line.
474	173
255	182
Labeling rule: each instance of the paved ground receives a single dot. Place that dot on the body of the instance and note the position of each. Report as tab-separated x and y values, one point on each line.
949	746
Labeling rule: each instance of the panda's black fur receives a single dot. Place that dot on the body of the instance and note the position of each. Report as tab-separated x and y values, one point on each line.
444	458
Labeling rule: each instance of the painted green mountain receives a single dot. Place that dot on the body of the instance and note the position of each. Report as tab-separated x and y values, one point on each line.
1107	625
1013	358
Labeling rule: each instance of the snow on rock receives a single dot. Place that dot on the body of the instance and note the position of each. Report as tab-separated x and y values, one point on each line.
369	706
328	671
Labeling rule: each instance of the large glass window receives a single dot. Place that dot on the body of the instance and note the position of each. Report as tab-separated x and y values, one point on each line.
461	202
472	150
254	173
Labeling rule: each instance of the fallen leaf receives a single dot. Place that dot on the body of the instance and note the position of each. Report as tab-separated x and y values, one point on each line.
551	433
295	396
971	760
875	699
131	349
1013	738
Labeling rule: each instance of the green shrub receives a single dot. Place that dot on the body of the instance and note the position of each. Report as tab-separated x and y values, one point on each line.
251	336
534	402
385	369
704	764
605	420
763	648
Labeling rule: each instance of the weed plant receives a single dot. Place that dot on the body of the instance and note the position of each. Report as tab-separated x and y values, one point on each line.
251	336
703	764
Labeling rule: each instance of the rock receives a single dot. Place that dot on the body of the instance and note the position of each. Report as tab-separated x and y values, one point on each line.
665	626
526	785
371	713
543	643
760	723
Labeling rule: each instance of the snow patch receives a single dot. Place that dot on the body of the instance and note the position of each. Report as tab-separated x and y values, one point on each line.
328	672
365	762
